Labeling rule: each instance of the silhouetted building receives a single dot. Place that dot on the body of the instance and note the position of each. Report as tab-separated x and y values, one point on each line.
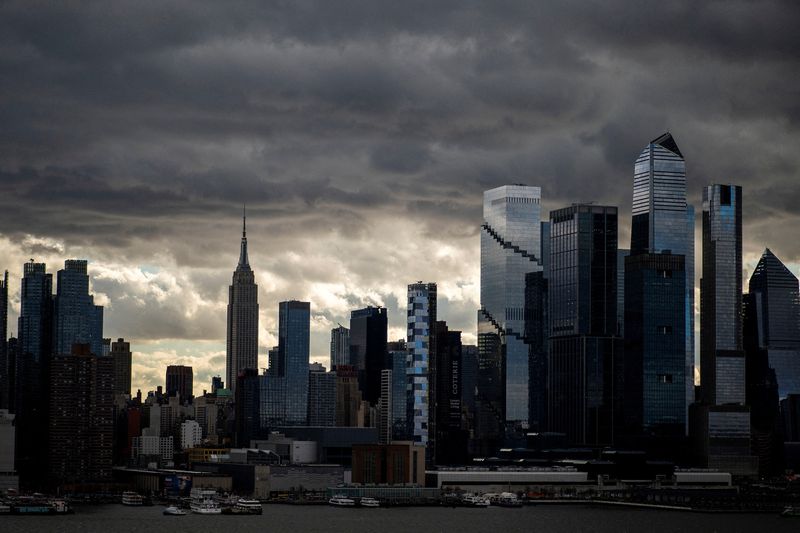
216	384
242	337
510	248
321	397
368	353
451	437
81	421
340	346
536	335
248	398
398	463
398	355
180	381
654	393
32	391
348	397
77	319
421	369
121	355
582	316
5	385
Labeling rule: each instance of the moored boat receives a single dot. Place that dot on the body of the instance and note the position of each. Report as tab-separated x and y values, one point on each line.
342	501
508	499
132	498
174	511
244	506
203	501
369	502
475	501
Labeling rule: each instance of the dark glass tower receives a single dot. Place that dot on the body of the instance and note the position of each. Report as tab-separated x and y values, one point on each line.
321	398
536	335
121	355
180	381
294	320
242	339
340	346
32	398
451	439
582	314
77	319
368	353
5	381
248	397
654	396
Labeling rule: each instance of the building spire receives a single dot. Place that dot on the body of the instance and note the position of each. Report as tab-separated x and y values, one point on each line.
244	262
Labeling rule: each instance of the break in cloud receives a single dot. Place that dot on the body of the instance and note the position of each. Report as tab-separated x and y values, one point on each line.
361	136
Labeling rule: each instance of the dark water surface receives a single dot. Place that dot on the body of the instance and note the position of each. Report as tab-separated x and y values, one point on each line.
295	519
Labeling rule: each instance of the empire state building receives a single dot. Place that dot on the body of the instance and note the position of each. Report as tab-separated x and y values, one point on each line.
242	345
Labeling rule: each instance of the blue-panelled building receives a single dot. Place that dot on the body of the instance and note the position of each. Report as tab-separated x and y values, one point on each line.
421	367
77	319
294	319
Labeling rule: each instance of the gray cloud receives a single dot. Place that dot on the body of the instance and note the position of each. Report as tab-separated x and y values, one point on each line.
361	135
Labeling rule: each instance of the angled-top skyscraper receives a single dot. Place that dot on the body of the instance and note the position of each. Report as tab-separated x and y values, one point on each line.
510	244
242	342
663	221
77	319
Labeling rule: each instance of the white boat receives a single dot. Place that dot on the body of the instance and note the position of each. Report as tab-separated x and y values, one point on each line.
245	506
342	501
174	511
508	499
132	498
205	507
475	501
369	502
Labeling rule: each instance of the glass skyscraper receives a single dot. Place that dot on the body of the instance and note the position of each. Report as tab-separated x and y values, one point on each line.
77	319
5	379
340	346
421	366
510	249
294	320
664	222
398	353
242	336
368	329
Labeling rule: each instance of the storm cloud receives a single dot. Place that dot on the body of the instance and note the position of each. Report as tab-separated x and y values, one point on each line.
361	136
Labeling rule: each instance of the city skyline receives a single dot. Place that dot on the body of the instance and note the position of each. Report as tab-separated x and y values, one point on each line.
359	138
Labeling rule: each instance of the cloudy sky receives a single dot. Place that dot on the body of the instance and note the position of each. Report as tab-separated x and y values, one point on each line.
361	136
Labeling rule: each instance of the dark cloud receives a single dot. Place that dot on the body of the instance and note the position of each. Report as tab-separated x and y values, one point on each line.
361	135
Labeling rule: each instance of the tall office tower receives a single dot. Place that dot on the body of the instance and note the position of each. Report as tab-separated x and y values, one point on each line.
621	255
76	318
4	373
582	315
469	377
121	355
106	349
451	437
321	397
654	395
776	305
385	408
340	346
81	421
180	381
398	354
217	384
510	248
242	340
272	360
348	397
368	353
536	335
248	398
663	221
421	367
294	319
722	426
12	349
33	354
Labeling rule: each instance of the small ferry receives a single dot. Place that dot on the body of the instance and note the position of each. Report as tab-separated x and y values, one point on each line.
475	501
132	498
340	500
508	499
203	501
369	502
174	511
244	506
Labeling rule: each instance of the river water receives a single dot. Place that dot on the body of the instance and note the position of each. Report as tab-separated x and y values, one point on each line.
296	519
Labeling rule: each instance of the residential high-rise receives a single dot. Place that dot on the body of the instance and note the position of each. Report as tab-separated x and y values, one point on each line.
582	316
421	368
340	346
294	319
81	421
77	319
33	355
4	370
776	305
121	355
321	397
654	396
510	248
180	381
368	328
664	222
398	355
451	437
721	425
385	408
242	338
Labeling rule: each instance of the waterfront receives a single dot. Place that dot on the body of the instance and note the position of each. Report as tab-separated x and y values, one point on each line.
295	519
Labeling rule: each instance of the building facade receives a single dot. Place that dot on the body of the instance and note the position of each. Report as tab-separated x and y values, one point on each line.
180	382
77	319
510	248
398	354
451	436
121	355
294	320
664	221
321	398
340	346
421	368
368	353
242	336
5	381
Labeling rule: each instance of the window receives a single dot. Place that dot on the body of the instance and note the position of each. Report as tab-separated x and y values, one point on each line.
664	330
